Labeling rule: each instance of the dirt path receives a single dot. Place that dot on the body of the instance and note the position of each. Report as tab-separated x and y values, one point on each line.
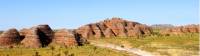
116	47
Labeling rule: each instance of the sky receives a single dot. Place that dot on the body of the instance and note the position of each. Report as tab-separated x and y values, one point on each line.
74	13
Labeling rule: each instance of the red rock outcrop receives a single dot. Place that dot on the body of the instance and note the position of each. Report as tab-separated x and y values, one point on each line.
136	31
114	27
65	37
109	33
45	34
85	31
97	31
38	36
181	30
9	38
192	28
32	39
23	31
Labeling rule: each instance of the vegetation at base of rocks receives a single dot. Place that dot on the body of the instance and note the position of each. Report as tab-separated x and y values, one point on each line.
86	50
173	45
1	32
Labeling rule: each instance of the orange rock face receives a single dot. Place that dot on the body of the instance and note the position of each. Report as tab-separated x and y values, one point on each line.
38	36
109	33
65	37
181	29
32	39
9	38
112	28
43	35
136	31
85	31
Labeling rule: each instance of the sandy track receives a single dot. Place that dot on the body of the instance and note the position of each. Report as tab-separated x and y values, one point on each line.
119	48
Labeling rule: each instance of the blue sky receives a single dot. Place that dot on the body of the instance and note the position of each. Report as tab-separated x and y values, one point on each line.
74	13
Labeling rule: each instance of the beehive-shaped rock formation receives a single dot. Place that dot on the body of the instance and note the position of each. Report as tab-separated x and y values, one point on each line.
65	37
181	30
45	34
112	28
9	38
38	36
32	39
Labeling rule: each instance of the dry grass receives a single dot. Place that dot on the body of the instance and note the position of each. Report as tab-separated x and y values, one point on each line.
86	50
182	45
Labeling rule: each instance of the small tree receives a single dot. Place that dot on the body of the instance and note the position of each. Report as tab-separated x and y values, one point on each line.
36	54
52	49
66	53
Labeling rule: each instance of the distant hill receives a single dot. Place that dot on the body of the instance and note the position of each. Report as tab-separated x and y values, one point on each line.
162	26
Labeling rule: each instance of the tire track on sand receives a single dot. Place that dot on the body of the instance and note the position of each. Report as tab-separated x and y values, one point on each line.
119	48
